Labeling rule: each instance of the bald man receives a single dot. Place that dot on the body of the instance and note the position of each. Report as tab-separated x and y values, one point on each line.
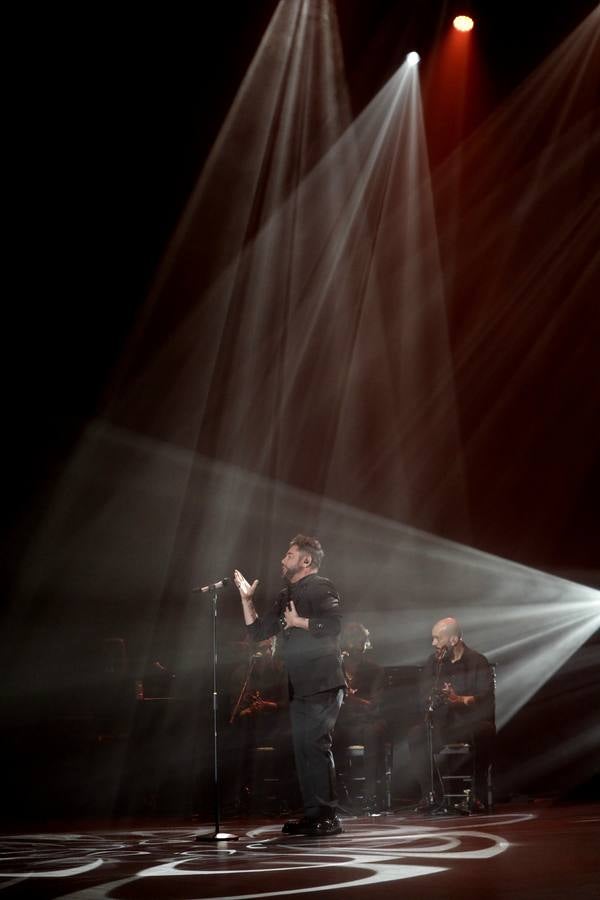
457	685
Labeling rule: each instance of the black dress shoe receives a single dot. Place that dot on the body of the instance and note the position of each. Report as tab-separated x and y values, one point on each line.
321	827
325	827
298	826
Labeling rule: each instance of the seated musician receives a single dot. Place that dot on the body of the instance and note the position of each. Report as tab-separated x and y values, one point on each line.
457	693
360	720
259	714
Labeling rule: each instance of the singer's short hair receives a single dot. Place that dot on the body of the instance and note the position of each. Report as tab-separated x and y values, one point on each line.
311	546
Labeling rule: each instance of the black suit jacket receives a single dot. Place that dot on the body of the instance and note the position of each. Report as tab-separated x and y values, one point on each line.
312	658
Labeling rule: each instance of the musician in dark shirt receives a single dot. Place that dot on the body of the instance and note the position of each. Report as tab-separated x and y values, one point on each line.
259	687
307	615
457	691
360	721
258	718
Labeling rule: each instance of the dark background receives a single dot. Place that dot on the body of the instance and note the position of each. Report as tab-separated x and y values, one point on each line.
113	115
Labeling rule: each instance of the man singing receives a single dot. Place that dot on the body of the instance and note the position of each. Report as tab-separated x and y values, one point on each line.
457	683
307	612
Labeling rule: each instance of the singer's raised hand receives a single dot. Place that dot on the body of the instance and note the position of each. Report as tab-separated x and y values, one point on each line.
244	587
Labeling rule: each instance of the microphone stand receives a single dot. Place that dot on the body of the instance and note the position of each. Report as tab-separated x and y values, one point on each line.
433	808
217	835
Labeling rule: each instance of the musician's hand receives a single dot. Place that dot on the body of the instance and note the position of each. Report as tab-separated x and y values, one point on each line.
292	619
244	587
358	701
450	694
268	705
259	705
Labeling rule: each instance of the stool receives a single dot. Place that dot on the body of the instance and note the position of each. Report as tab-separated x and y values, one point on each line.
351	775
352	779
266	785
455	764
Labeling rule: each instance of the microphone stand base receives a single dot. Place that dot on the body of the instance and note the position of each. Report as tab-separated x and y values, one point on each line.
217	836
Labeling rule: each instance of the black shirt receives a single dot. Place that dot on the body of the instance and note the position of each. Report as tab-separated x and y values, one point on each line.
367	681
313	657
471	676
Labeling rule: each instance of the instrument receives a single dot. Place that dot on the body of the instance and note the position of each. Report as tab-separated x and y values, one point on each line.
257	703
436	700
236	709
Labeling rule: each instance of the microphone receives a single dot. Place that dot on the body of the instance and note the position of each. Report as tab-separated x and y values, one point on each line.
441	653
217	586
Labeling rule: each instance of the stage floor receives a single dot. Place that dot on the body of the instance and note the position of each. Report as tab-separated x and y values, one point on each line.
528	852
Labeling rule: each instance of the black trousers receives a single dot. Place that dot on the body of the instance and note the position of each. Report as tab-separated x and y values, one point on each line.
313	719
480	734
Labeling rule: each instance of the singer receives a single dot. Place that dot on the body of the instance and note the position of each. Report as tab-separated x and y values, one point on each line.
457	684
307	614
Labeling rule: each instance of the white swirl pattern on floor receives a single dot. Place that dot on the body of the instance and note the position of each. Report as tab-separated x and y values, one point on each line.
368	853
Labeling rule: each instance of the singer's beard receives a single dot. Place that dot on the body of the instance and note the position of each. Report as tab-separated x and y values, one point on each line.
288	574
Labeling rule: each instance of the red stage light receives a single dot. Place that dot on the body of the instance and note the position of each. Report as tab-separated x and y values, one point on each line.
463	23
